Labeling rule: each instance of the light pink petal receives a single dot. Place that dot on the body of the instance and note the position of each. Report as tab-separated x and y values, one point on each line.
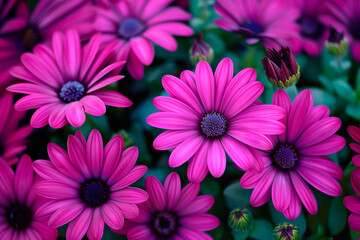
55	190
96	229
112	215
157	195
143	49
281	191
252	138
185	150
140	232
112	98
330	145
304	193
198	167
23	178
95	152
188	195
223	75
262	191
93	105
294	208
205	83
171	139
216	158
200	205
172	121
80	225
161	38
135	174
262	126
65	214
172	187
75	114
112	156
130	195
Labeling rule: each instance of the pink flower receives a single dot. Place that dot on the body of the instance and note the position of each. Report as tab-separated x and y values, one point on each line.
19	204
272	22
22	33
355	134
313	24
64	81
171	212
353	203
298	157
133	25
346	18
90	185
12	137
209	114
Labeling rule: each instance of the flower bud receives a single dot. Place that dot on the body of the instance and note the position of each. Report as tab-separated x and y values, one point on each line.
337	44
286	231
240	220
201	51
281	67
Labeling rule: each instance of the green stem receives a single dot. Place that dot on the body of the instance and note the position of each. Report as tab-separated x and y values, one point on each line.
292	92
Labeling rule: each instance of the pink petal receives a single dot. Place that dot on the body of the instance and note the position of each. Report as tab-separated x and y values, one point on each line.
262	190
262	126
184	151
23	178
216	158
93	105
96	229
127	161
88	54
128	210
251	178
112	98
200	221
77	155
65	214
168	104
157	195
135	174
200	205
46	170
40	118
223	75
143	49
330	145
171	139
72	53
354	132
205	84
323	164
55	190
112	156
112	215
252	138
267	112
354	222
189	234
304	193
172	121
172	187
80	225
188	195
352	203
95	152
294	208
135	66
75	114
281	191
46	232
57	118
139	232
198	167
103	83
130	195
161	38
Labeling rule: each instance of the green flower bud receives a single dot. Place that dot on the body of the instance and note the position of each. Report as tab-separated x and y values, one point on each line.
201	51
286	231
337	44
240	220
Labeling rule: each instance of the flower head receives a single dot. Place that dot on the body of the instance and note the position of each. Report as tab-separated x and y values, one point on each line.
337	44
89	185
298	156
64	81
134	25
201	51
207	115
12	137
171	212
281	67
240	220
354	132
353	202
271	22
19	204
25	30
286	231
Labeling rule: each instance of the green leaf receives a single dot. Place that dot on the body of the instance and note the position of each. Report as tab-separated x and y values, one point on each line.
322	97
236	196
240	235
337	218
262	229
279	218
344	90
357	81
353	111
354	235
326	82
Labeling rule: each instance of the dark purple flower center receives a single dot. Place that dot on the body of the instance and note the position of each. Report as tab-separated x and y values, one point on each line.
71	91
286	232
30	38
354	29
94	192
130	28
311	27
19	216
213	124
164	223
285	156
254	27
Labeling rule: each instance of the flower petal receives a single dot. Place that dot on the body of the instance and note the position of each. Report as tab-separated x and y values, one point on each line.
304	193
75	114
216	158
80	225
184	151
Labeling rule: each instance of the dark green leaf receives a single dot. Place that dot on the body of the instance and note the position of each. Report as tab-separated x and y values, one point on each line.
262	229
236	196
337	218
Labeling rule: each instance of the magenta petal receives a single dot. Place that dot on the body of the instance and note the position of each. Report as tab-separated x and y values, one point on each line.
216	158
262	126
354	222
143	49
127	161
112	156
223	75
200	205
330	145
46	170
252	138
161	38
96	229
267	112
262	191
323	164
135	66
200	221
172	186
57	118
140	232
172	121
135	174
205	84
304	193
188	233
354	132
130	195
95	152
80	225
65	214
112	215
281	191
93	105
157	195
23	178
72	53
75	114
188	195
40	118
169	104
251	178
112	98
352	203
294	208
184	151
128	210
171	139
198	167
77	155
55	190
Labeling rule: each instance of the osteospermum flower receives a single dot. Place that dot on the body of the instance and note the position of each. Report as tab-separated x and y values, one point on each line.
89	185
19	204
355	134
134	25
298	157
12	138
313	24
171	212
353	202
346	18
64	81
21	33
207	115
271	22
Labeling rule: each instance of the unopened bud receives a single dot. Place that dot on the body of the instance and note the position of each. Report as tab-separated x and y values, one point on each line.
286	231
201	51
337	44
240	220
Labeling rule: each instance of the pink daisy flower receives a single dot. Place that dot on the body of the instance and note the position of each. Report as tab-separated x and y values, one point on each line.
12	138
133	25
271	22
19	203
298	157
90	185
21	33
353	203
314	30
171	212
355	134
65	81
209	114
346	18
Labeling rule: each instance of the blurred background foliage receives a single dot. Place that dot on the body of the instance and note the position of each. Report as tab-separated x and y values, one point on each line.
334	82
